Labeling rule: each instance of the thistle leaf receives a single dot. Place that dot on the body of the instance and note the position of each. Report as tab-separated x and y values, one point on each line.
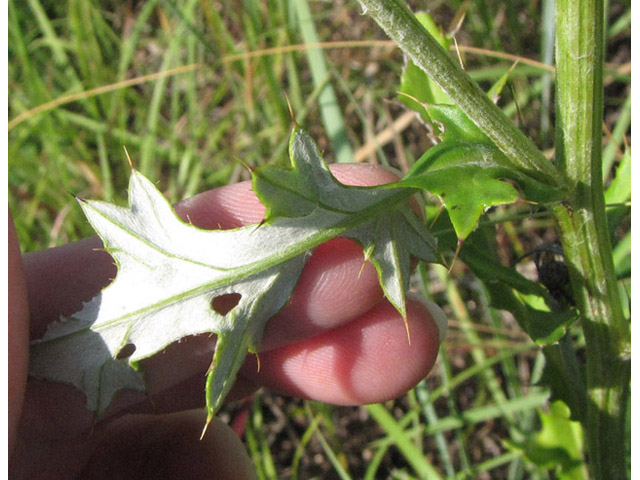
170	272
468	172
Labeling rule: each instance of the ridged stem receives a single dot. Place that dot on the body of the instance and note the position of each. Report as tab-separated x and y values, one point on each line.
401	25
584	232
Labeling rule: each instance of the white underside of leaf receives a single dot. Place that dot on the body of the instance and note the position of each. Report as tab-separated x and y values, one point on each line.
169	272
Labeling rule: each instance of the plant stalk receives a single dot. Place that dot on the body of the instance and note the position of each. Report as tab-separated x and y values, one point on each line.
584	233
581	217
401	25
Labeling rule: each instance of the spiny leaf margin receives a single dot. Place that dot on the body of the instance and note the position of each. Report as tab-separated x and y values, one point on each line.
151	245
468	172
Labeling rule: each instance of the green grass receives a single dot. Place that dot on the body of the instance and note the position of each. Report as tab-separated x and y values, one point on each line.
190	129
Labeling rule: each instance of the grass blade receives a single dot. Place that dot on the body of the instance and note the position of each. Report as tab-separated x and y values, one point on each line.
328	102
403	443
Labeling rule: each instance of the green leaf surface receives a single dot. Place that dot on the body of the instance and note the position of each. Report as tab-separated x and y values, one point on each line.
170	272
509	290
467	172
416	86
565	378
622	257
388	240
496	89
619	189
619	192
558	444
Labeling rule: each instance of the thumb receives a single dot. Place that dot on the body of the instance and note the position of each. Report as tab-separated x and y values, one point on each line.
18	323
167	446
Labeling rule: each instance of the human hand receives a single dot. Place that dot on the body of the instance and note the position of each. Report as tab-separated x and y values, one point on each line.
336	341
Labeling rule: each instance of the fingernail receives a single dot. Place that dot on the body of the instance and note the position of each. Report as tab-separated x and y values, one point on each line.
437	314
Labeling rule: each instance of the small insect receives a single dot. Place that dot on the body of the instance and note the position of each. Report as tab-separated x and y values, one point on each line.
552	271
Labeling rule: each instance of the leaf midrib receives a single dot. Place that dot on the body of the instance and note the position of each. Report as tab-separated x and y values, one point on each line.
243	272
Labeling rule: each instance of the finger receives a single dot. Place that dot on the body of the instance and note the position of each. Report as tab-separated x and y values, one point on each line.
167	446
368	360
60	279
18	332
335	286
166	395
230	206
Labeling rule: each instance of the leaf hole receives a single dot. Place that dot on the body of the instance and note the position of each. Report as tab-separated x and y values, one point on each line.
226	302
126	351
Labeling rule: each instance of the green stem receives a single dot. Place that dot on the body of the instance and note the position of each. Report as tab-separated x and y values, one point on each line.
401	25
583	229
